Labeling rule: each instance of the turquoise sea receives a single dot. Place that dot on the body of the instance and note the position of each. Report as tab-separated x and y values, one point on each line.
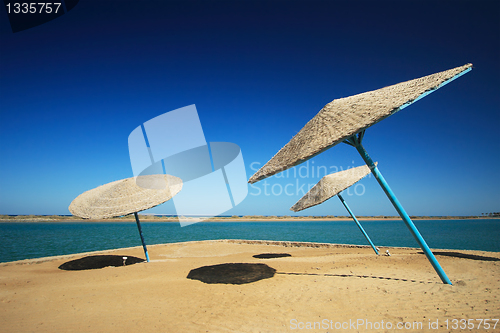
34	240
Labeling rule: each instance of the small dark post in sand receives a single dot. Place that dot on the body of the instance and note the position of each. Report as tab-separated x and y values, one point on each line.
331	185
346	119
126	196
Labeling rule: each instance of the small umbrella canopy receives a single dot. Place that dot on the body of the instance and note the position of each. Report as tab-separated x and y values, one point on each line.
345	117
126	196
329	186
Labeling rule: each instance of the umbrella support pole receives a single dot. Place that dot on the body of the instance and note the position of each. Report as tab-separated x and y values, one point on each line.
355	141
357	222
142	237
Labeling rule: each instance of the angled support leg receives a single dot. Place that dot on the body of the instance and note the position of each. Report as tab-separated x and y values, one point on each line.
356	142
357	222
142	237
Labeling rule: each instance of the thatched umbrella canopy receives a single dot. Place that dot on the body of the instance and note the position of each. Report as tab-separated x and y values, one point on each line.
345	117
126	196
329	186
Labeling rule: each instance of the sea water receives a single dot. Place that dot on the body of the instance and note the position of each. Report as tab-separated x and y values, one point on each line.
34	240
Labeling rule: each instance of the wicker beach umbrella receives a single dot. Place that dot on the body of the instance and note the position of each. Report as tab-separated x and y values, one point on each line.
346	119
331	185
126	196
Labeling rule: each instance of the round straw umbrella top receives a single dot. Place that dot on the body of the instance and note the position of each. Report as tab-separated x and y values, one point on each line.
345	117
329	186
126	196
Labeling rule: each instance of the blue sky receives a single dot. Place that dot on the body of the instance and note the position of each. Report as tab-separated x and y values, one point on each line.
73	89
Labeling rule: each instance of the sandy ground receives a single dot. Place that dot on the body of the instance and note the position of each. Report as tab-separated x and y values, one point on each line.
334	289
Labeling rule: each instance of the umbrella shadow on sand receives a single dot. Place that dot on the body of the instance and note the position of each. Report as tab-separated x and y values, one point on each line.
236	273
99	261
232	273
271	255
464	255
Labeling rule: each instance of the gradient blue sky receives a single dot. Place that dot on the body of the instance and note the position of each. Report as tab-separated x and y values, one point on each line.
73	89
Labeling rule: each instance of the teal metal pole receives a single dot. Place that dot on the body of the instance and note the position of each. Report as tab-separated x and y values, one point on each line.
395	202
142	237
357	222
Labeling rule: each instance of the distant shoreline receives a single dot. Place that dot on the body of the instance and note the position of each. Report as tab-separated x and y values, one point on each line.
247	218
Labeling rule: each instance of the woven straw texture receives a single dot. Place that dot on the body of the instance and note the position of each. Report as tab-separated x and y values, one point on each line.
344	117
329	186
126	196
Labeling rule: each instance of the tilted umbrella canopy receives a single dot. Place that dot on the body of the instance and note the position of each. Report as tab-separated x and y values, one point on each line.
344	117
126	196
329	186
